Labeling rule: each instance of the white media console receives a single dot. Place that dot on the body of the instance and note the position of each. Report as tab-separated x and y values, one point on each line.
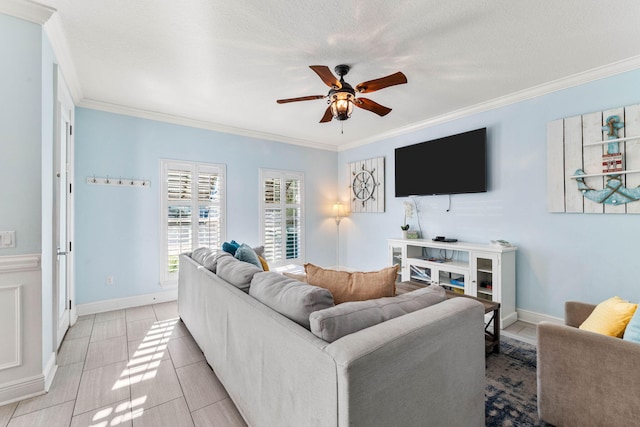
482	271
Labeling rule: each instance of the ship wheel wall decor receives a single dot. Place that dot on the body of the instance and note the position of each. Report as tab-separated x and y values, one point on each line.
366	185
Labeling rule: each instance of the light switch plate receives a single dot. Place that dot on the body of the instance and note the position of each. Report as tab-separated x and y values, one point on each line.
7	239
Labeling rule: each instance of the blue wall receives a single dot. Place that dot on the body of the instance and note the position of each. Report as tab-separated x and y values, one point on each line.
561	257
117	228
20	132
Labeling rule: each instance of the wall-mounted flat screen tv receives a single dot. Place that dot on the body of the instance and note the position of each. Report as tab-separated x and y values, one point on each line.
451	165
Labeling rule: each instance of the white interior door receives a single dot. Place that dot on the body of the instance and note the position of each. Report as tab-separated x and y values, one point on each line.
62	209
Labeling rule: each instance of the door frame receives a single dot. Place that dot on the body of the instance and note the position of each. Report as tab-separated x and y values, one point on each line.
63	99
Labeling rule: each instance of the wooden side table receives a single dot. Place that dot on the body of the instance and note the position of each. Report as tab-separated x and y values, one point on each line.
491	335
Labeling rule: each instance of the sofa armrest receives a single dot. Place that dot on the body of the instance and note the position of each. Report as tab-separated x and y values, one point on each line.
422	368
585	378
576	312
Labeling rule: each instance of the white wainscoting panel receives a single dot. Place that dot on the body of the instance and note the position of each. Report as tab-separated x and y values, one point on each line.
10	326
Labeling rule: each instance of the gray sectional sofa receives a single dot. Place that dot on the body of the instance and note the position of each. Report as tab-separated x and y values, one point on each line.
424	368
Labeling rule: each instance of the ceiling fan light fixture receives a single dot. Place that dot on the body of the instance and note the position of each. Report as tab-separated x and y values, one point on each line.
342	105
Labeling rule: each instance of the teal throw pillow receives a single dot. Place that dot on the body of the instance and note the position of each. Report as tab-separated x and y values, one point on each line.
231	247
246	254
632	333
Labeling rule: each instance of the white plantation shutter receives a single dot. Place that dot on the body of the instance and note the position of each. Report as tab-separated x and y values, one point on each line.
281	226
192	211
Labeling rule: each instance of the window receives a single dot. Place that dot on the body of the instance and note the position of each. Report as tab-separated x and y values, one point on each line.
192	212
282	225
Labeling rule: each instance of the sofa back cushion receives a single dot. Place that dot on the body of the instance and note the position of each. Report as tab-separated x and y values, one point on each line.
238	273
346	286
208	257
289	297
334	323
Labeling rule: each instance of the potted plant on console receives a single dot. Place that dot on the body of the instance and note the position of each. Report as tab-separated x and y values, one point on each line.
408	213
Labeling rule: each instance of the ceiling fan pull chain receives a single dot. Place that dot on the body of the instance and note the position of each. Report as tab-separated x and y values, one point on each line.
342	127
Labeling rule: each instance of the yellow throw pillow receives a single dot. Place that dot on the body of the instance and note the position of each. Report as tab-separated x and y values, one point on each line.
346	286
610	317
264	264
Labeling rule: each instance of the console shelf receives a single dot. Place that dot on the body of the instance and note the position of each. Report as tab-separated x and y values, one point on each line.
482	271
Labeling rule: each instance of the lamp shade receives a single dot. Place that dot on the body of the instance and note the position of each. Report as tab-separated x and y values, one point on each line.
342	105
338	211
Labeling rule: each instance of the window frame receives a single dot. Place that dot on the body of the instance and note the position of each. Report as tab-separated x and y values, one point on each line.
167	278
283	175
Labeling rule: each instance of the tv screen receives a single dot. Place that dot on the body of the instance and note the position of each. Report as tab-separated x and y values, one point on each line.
451	165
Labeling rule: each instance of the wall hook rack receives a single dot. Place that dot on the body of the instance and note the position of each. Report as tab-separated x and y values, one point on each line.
119	181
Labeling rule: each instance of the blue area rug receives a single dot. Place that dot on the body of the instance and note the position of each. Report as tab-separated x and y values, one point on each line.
510	395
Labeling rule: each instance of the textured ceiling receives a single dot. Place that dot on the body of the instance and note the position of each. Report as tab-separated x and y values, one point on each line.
225	62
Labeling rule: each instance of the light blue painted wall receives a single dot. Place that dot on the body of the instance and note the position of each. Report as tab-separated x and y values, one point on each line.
20	132
561	257
117	229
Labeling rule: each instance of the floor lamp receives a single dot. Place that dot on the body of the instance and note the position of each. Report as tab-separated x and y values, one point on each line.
338	213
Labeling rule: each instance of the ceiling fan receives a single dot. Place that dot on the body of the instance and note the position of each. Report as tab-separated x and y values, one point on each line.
342	96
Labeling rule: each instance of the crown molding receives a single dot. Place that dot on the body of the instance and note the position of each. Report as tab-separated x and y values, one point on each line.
55	33
200	124
27	10
578	79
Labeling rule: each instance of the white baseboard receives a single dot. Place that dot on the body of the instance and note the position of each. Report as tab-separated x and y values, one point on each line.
128	302
508	320
50	370
535	318
21	389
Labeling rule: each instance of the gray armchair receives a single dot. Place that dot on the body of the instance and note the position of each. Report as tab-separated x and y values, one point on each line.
584	378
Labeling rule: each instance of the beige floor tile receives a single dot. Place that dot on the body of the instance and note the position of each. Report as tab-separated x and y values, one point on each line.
178	329
87	317
222	413
184	351
139	313
72	351
106	352
141	329
147	350
154	383
115	414
108	329
55	416
64	388
166	310
170	414
6	411
102	386
110	315
82	328
200	385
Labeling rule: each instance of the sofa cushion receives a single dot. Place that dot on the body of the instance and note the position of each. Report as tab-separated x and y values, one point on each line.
299	277
289	297
346	286
610	317
632	333
344	319
246	254
238	273
208	257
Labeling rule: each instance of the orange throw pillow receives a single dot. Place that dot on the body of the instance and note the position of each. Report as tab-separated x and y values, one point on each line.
346	286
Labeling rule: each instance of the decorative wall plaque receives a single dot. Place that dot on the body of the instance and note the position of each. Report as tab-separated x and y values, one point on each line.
366	184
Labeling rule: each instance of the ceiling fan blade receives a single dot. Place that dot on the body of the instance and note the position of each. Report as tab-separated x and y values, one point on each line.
327	115
302	98
367	104
326	75
377	84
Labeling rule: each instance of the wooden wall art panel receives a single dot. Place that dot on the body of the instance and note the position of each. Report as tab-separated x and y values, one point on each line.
593	162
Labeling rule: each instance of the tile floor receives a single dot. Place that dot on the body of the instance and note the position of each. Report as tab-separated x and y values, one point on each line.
129	368
523	331
139	367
